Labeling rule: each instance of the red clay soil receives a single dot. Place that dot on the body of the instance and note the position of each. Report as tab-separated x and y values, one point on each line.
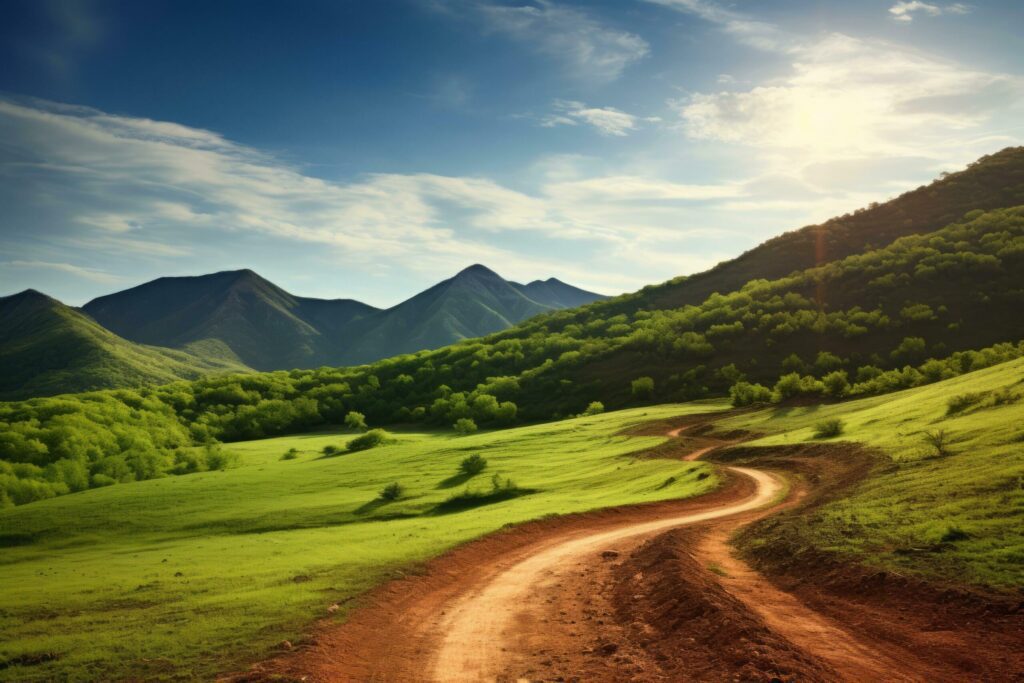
613	596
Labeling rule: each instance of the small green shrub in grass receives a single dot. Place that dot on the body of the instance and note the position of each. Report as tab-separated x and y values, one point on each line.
392	491
371	439
595	408
331	449
959	404
473	465
827	429
954	534
464	426
290	454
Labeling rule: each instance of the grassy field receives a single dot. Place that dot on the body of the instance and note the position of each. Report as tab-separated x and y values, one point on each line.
180	577
958	515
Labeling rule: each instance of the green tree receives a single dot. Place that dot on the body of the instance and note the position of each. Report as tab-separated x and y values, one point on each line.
355	421
464	426
643	387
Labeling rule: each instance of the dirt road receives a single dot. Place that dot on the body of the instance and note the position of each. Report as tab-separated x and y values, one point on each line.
485	630
644	593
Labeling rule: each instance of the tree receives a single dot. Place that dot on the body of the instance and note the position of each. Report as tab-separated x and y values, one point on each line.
595	408
392	492
836	383
745	394
464	426
643	387
473	465
355	421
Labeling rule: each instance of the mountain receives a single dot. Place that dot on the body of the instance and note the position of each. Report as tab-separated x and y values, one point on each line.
264	326
475	302
49	348
268	328
992	182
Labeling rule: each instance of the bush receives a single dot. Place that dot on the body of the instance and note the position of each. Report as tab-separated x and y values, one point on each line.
595	408
745	394
836	383
290	454
331	449
474	464
355	421
938	441
464	426
392	491
827	429
371	439
643	387
219	459
960	403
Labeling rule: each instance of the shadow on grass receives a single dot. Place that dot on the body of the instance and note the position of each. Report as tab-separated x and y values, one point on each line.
371	506
468	500
455	480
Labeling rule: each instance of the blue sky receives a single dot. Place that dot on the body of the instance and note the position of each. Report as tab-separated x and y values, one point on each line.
369	149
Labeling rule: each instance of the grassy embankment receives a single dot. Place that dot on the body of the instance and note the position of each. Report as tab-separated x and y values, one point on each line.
179	577
957	515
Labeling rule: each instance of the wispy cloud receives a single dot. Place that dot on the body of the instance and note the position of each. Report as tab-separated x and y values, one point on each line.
607	120
91	274
904	11
743	28
588	48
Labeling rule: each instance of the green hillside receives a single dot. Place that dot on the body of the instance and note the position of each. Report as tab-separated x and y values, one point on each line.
48	348
897	317
956	514
181	577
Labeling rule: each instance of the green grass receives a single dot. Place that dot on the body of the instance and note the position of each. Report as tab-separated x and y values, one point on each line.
180	577
957	517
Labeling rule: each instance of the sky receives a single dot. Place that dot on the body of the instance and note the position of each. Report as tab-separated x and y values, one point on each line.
368	149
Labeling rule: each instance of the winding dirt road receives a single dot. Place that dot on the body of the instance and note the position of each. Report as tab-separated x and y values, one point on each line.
484	629
643	593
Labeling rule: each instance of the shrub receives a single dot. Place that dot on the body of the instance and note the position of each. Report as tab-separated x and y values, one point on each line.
371	439
745	394
474	464
938	441
595	408
331	449
355	421
392	491
827	429
290	454
464	426
643	387
958	404
219	459
954	534
836	383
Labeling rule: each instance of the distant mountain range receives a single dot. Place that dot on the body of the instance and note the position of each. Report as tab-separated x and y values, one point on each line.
49	348
183	327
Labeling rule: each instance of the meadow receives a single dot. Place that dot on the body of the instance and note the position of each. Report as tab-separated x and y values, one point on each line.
954	513
180	577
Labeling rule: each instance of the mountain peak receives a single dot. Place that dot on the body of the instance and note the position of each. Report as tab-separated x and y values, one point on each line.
477	269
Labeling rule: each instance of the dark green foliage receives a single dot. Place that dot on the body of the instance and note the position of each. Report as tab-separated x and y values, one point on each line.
745	394
464	426
643	387
371	439
958	404
355	421
954	534
473	465
290	454
392	492
331	449
827	429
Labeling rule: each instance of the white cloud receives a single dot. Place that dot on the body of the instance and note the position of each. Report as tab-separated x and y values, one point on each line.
589	49
851	97
904	10
92	274
751	32
607	120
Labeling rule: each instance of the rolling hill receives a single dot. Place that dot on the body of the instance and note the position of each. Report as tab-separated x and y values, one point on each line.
49	348
270	329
